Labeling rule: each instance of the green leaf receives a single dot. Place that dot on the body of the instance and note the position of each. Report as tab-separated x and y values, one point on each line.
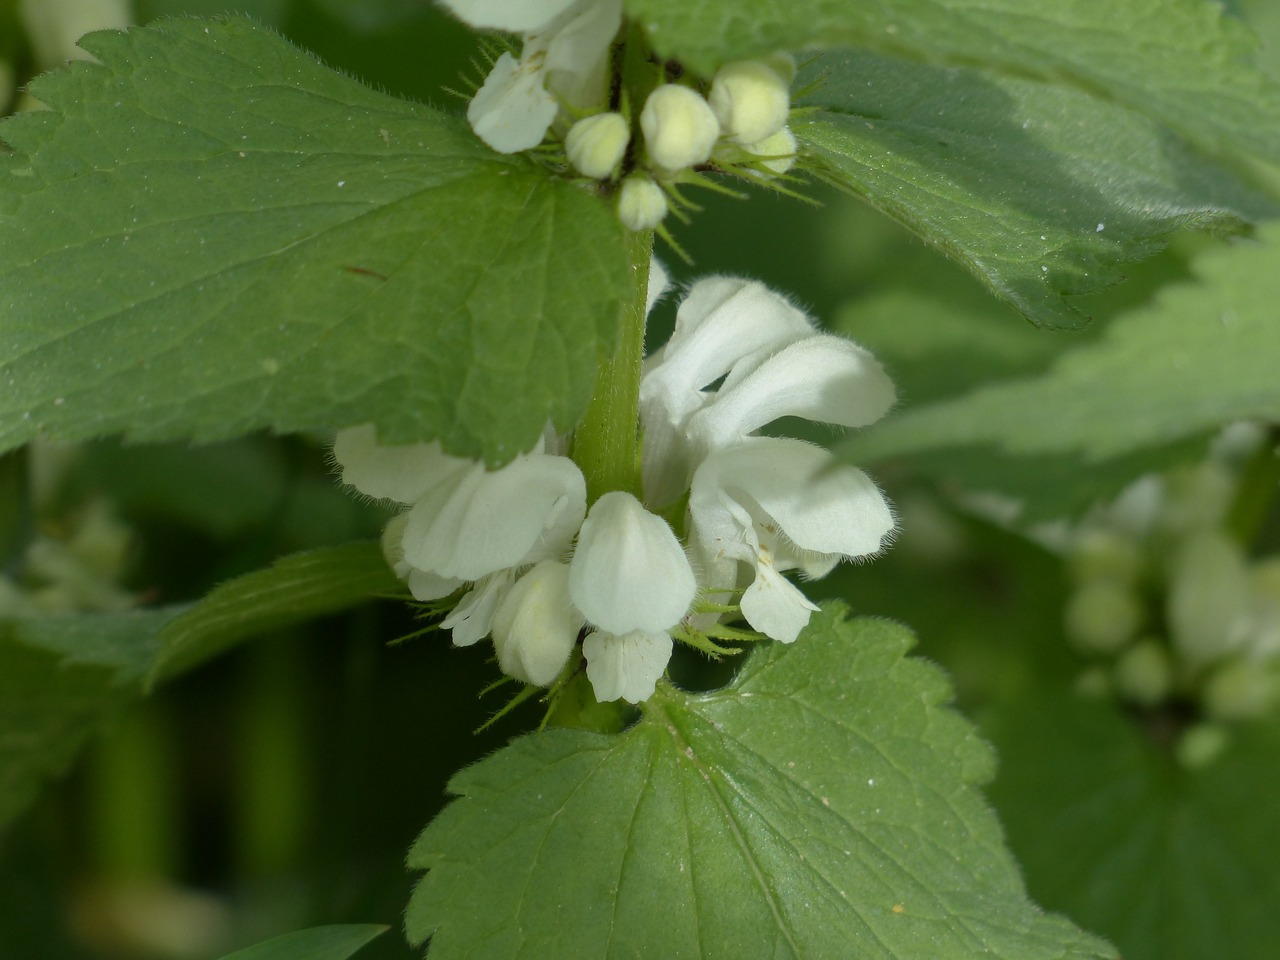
317	943
822	805
1041	192
299	587
61	678
212	233
1183	62
1173	864
1202	355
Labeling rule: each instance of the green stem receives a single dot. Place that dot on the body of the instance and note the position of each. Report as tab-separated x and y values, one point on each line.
606	445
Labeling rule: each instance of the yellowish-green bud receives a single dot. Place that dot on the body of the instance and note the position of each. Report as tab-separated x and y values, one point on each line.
750	100
641	203
1209	604
595	145
778	151
1105	554
1103	615
679	128
1145	673
1240	689
1200	745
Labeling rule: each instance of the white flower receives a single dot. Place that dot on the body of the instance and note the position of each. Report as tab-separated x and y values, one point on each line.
777	504
680	130
750	100
626	667
483	521
564	57
720	322
535	626
629	571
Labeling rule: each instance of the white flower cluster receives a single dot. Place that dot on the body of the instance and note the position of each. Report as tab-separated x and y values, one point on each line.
562	71
538	569
1165	600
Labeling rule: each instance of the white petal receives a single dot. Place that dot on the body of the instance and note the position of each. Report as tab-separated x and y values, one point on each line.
626	666
629	571
775	606
659	283
472	619
513	109
817	503
579	51
536	627
526	511
823	378
522	16
722	321
427	586
402	473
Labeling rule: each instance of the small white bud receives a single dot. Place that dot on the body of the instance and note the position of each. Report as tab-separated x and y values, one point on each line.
1103	615
750	100
595	145
641	203
680	130
778	150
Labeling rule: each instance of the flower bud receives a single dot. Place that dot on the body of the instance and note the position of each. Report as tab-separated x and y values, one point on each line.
1097	553
679	127
595	145
778	152
1200	745
1145	673
1209	600
1240	690
641	203
750	100
1103	615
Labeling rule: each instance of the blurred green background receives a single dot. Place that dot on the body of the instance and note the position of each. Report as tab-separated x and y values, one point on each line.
280	786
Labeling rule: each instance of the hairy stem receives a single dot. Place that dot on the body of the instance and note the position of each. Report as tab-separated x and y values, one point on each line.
606	444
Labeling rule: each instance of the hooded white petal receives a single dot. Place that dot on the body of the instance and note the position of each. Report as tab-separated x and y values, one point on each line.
526	511
721	322
535	627
822	378
628	666
403	473
794	487
472	619
512	110
629	571
777	504
524	16
578	51
774	606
